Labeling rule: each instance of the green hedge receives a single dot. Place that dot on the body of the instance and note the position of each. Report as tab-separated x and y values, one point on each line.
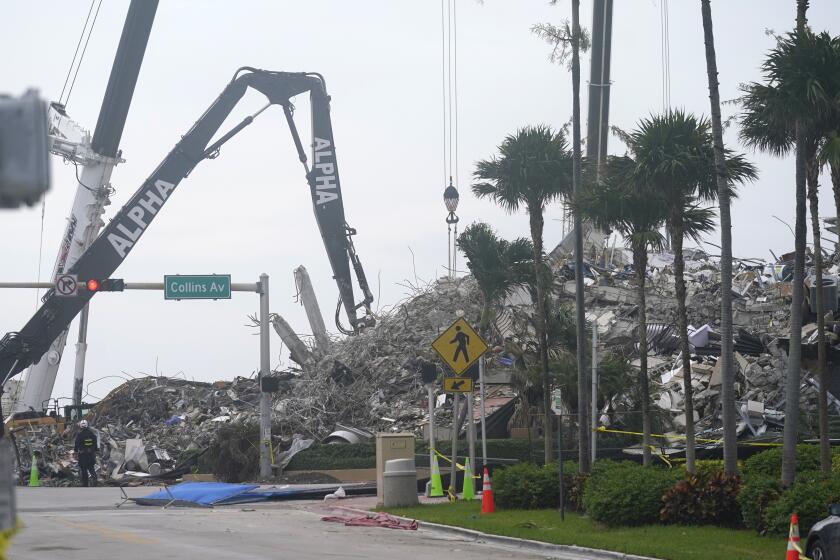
769	463
530	486
758	492
809	498
626	493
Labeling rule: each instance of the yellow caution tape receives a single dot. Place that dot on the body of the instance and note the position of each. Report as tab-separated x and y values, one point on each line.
677	436
6	539
459	466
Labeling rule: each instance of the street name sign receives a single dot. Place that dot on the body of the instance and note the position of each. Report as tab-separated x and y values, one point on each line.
196	286
457	385
459	346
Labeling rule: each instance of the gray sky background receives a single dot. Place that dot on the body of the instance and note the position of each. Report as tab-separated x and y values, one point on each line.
249	212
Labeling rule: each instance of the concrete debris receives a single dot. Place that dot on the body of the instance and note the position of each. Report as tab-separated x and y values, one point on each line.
344	390
358	385
761	307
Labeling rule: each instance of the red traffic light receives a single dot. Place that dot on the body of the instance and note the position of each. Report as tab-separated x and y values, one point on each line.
105	285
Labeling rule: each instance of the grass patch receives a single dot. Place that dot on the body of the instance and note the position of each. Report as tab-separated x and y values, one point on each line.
670	542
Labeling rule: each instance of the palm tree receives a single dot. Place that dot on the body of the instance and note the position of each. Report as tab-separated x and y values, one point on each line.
496	264
795	107
533	168
727	394
572	40
674	155
613	204
577	180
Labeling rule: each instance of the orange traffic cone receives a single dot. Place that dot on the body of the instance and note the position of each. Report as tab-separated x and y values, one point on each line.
793	549
487	504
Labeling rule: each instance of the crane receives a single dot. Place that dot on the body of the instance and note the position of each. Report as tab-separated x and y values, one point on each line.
20	349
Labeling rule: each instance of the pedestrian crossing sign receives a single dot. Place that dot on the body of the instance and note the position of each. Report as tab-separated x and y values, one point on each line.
459	346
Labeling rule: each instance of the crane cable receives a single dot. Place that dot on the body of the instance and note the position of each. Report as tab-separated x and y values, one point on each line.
65	102
82	56
665	49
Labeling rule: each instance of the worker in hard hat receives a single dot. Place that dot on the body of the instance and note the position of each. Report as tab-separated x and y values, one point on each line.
86	447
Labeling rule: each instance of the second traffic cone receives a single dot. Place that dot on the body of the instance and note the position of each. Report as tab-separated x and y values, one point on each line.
468	492
793	549
487	504
437	485
33	472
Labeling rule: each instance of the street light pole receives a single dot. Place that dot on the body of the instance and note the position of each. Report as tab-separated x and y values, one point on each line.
451	198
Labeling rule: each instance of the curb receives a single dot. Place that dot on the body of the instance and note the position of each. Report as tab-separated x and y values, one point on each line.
565	551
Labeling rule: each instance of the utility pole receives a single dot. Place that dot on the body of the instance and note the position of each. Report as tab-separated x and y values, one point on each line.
594	411
598	117
265	371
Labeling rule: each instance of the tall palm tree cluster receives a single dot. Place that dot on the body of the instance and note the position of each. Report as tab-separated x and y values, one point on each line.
676	175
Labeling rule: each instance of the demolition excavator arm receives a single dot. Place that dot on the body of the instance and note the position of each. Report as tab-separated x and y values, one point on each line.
118	238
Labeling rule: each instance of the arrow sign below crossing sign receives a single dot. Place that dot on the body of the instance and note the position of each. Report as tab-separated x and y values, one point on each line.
196	286
457	384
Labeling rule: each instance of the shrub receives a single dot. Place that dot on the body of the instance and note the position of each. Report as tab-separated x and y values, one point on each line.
719	500
529	486
525	486
234	455
757	494
574	486
835	463
680	503
769	463
703	499
809	498
626	493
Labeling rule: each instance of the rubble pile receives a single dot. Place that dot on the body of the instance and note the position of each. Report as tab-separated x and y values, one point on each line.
761	309
371	380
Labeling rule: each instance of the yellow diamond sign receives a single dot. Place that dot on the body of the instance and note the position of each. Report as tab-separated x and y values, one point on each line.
459	346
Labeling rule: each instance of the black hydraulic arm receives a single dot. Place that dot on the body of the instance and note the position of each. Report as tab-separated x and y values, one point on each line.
20	349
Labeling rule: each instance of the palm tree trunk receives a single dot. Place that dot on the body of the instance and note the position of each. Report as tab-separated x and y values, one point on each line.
583	422
640	264
835	186
682	328
537	223
727	395
822	401
801	14
791	429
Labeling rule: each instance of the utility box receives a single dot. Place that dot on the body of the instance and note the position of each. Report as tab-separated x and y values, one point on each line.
388	447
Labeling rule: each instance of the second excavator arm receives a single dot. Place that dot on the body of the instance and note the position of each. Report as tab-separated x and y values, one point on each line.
118	238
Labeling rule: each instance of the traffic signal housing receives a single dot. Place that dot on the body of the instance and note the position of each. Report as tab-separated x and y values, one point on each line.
105	285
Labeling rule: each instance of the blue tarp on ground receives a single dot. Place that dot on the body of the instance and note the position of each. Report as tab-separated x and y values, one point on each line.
208	494
197	493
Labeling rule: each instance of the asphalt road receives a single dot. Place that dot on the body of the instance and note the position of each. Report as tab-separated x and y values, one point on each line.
83	524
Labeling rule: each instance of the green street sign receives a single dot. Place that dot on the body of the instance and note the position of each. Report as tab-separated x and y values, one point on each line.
196	286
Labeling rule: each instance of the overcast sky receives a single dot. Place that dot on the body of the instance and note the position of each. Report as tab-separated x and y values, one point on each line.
248	211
